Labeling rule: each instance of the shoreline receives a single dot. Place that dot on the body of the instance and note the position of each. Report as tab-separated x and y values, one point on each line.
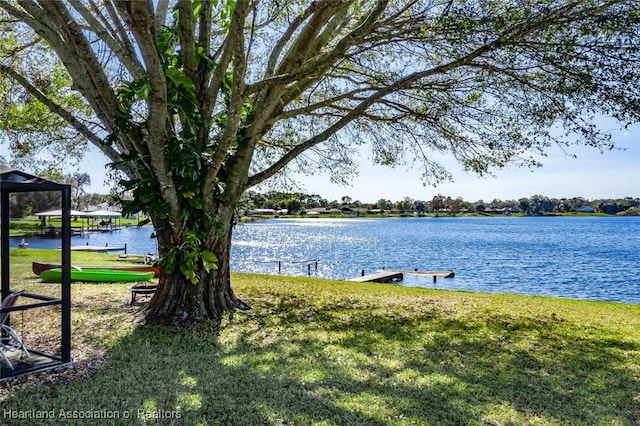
255	218
110	259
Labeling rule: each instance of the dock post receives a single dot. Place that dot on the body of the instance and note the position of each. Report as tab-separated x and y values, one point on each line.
309	269
435	278
279	266
362	273
125	248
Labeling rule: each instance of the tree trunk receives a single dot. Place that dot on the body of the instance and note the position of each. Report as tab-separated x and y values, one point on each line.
179	302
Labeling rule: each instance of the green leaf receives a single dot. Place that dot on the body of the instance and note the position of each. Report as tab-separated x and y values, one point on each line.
143	91
209	260
197	7
180	78
189	273
145	196
196	203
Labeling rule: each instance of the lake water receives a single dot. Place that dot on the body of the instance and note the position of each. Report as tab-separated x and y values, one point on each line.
594	258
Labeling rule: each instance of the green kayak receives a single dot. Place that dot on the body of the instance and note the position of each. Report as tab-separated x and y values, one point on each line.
95	275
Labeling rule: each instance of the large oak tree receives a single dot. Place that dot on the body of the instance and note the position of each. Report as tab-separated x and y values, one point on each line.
196	101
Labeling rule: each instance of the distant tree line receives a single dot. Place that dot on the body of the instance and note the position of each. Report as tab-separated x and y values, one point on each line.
298	202
26	204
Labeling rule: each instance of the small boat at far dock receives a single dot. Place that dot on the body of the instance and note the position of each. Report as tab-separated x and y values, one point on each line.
96	275
38	268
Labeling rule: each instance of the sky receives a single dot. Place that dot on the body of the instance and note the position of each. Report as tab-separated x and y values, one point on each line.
592	175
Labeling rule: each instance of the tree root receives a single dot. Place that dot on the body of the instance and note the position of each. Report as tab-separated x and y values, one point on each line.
241	305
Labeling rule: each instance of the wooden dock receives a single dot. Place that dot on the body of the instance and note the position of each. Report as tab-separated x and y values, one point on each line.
437	274
387	275
382	276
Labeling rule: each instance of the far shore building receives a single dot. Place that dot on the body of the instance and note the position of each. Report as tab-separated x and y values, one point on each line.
323	210
266	212
586	209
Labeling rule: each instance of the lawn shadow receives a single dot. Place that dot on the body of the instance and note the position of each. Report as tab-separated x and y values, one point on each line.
293	361
440	368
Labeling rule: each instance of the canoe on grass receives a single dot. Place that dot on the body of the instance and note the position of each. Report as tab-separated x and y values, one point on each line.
38	268
96	275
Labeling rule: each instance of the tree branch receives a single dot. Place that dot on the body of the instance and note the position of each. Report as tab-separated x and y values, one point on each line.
121	48
362	107
162	10
187	39
140	20
236	102
59	110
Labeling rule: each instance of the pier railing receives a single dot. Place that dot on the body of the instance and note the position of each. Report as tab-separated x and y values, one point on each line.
310	263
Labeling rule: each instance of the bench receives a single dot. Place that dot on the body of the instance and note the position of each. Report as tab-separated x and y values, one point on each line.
144	289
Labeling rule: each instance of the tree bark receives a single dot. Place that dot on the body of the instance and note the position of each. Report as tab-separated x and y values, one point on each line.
180	302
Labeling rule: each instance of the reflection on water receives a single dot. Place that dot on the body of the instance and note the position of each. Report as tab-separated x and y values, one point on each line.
138	240
577	257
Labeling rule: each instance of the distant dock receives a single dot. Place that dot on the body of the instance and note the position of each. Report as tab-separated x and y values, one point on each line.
387	275
99	249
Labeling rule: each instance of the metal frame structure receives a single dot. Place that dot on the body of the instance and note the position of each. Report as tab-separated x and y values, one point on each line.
12	181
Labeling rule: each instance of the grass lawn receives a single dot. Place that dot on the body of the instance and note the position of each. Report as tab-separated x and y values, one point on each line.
326	352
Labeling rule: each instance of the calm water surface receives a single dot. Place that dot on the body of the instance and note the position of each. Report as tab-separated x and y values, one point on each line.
577	257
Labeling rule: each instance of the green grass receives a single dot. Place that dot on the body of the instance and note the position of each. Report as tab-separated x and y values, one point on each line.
332	352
